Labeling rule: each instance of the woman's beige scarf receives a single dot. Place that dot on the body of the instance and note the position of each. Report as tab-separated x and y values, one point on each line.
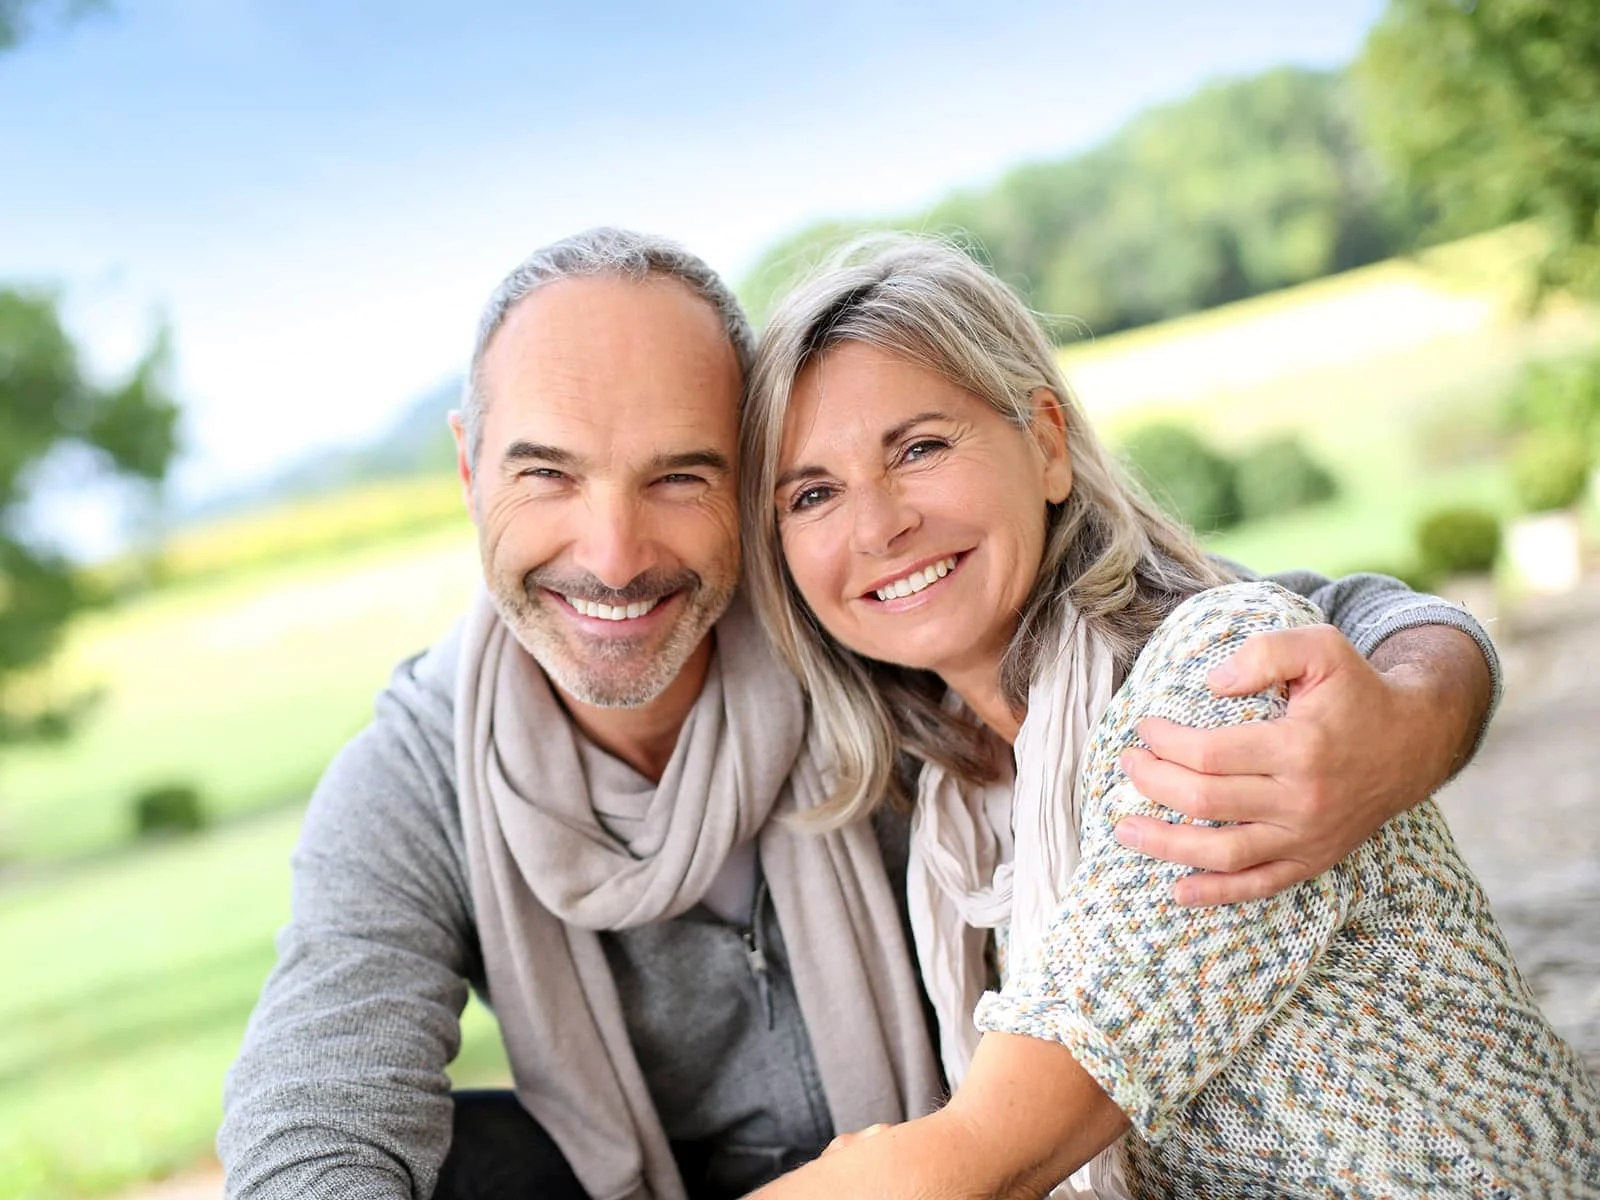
1002	855
546	875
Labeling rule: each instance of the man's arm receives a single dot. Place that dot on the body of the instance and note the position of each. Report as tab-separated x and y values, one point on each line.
340	1087
1365	738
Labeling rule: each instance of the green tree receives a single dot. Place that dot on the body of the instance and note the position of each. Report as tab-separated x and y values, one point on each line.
1243	187
1490	110
18	18
48	404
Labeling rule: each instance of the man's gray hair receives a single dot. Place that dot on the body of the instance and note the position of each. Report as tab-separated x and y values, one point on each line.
616	253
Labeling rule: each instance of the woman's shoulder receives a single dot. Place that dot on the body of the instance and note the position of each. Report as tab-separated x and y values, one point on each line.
1209	626
1256	602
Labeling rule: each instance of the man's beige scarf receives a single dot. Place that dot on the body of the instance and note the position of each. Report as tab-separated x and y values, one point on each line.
1002	855
546	875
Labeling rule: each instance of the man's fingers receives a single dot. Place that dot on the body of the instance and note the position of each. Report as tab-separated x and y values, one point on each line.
1201	796
1209	889
1310	652
1228	848
1248	749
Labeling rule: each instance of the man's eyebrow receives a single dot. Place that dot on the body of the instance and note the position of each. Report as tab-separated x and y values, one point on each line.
891	435
687	460
554	456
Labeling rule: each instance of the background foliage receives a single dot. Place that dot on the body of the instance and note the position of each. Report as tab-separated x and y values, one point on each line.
49	405
1490	112
1247	186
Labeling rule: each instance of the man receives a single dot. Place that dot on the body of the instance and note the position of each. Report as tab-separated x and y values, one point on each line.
574	803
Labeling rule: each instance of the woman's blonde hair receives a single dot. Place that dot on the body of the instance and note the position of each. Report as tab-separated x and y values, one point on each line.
1110	553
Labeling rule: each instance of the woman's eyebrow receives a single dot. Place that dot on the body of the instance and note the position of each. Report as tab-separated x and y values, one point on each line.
891	435
895	432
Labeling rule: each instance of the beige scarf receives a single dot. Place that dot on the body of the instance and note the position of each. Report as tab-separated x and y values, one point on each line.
545	876
1002	855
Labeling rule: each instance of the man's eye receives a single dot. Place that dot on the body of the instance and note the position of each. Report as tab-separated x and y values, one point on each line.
680	478
540	473
809	497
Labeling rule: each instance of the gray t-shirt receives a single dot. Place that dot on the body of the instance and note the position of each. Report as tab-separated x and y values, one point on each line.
340	1087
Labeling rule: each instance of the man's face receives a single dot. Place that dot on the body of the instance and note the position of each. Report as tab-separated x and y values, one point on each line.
605	496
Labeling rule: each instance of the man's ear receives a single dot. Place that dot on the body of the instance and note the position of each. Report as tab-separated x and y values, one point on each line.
463	459
1050	434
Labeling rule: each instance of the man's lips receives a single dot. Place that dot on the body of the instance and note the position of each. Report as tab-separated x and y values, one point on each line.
600	614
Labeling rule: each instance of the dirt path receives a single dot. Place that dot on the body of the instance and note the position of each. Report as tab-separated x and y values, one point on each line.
1526	815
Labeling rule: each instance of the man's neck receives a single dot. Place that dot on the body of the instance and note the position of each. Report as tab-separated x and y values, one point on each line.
645	737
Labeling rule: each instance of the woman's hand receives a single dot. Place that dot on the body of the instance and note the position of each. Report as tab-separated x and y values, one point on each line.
845	1140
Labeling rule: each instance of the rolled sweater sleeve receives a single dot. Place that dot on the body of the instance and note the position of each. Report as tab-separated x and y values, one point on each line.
340	1089
1153	998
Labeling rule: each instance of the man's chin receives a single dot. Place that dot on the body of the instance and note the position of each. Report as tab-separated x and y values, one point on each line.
629	673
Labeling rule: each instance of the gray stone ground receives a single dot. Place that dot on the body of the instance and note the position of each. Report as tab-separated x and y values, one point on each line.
1526	815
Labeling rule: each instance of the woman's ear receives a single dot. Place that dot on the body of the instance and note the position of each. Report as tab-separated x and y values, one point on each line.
1050	433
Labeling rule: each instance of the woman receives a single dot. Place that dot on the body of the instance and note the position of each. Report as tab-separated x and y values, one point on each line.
952	563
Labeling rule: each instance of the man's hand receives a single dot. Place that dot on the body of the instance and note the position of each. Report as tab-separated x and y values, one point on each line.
1361	742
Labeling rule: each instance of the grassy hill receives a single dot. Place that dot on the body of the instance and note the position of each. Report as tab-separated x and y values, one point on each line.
138	965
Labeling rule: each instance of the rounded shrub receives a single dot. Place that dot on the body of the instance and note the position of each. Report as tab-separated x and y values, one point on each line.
1458	541
1280	476
1560	397
1190	480
1550	470
168	808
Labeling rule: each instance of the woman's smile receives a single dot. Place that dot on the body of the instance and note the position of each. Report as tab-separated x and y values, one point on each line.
914	582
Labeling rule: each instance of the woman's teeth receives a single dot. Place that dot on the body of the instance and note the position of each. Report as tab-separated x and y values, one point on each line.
917	580
612	612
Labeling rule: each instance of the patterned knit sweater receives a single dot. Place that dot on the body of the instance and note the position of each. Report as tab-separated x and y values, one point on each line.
1362	1034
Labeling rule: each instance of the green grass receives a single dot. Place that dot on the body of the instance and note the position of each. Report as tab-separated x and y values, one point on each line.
129	987
1392	374
244	687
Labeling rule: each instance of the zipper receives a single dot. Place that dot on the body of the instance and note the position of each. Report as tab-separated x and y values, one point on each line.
756	955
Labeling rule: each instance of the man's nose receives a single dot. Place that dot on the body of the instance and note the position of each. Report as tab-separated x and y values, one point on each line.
615	543
881	517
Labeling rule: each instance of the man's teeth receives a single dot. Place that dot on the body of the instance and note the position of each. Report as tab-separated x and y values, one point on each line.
612	612
917	580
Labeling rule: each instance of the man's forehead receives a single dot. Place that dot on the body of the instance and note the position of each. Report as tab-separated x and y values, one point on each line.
585	315
612	362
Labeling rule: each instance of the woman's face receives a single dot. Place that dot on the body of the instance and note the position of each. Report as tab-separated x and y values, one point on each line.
911	513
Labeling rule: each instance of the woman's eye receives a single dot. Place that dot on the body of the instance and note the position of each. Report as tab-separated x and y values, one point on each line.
923	448
809	497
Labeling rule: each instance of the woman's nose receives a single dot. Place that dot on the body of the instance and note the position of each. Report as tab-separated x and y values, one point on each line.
881	517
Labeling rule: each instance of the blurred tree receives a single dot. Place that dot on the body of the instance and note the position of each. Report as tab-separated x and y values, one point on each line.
1241	188
18	17
47	405
1490	109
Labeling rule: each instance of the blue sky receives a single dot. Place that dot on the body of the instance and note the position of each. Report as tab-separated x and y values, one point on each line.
317	196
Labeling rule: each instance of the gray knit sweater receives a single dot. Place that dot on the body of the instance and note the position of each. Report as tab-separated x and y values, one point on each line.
340	1087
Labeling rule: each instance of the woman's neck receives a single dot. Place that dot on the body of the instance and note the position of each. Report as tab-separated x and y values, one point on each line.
980	691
